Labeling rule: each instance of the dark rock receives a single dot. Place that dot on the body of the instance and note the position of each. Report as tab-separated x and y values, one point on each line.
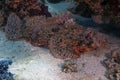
13	27
84	10
112	64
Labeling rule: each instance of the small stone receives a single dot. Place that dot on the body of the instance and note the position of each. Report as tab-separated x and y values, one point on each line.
69	66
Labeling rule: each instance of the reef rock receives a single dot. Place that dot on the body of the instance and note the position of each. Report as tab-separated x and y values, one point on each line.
13	27
26	8
34	31
112	63
1	19
103	11
116	55
83	9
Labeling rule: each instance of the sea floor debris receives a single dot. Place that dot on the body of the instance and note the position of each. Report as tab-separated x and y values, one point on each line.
69	66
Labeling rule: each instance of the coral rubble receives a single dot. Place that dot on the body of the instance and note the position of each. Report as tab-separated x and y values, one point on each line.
4	74
112	63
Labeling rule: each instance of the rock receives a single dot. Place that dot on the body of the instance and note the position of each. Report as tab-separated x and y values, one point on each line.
112	64
13	27
98	19
84	11
116	55
1	19
69	66
25	8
